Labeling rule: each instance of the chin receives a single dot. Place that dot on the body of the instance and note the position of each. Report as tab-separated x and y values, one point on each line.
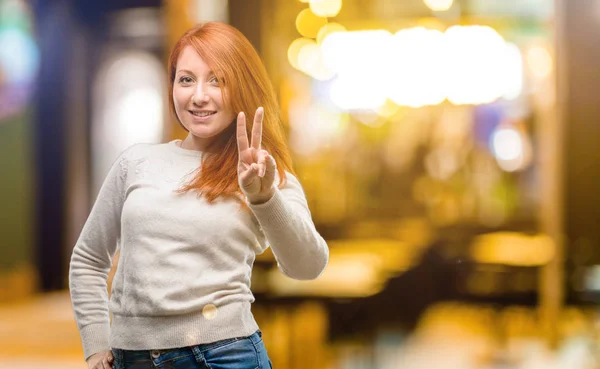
202	133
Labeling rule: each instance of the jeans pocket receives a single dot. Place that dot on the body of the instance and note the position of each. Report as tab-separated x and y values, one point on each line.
240	354
263	355
116	363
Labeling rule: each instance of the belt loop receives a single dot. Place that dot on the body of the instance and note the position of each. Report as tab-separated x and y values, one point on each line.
199	355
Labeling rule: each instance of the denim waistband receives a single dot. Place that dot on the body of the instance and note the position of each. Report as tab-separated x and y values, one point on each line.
170	354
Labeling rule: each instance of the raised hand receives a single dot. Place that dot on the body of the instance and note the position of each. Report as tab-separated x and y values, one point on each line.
256	167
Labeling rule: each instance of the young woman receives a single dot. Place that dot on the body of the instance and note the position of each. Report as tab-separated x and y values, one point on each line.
190	216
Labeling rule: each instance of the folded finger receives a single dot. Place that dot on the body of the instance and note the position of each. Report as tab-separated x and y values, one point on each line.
262	162
271	166
248	177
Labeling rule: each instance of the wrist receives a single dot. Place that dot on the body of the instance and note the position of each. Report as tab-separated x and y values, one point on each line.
262	198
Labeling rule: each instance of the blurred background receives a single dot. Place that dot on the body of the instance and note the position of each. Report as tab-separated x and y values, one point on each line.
447	150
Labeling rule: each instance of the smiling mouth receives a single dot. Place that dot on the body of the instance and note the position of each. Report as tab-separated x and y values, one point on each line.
203	113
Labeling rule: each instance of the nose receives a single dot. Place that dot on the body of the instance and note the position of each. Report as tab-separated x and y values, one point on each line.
200	96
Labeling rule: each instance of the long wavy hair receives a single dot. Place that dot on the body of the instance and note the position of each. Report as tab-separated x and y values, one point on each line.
245	86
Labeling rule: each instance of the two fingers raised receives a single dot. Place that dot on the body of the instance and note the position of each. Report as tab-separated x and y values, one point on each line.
242	136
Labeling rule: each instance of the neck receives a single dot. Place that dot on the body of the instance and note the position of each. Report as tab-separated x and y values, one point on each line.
192	143
210	145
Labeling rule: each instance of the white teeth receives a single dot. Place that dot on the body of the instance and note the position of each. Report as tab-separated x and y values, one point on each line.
203	113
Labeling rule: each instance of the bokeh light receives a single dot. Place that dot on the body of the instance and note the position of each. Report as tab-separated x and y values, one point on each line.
129	106
439	5
19	57
511	248
507	144
310	60
388	109
357	93
141	112
539	62
314	127
419	66
511	147
514	72
328	29
326	8
308	23
363	52
294	50
476	58
416	72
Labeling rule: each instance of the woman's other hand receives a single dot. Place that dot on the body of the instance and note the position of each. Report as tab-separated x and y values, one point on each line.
100	360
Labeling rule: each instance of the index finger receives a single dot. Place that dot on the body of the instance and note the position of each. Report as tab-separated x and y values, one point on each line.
242	136
257	128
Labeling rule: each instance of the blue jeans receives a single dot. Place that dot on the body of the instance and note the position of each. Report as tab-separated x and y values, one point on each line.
233	353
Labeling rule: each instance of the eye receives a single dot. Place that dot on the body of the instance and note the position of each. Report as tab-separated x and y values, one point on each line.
185	80
214	80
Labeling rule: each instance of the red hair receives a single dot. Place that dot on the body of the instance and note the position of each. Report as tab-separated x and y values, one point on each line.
245	87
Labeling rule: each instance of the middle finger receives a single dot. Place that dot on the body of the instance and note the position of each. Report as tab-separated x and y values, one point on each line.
257	128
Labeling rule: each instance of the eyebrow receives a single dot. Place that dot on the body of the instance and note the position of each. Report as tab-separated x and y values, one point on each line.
210	72
184	71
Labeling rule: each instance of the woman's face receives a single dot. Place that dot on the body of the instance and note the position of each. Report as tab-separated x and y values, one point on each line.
198	99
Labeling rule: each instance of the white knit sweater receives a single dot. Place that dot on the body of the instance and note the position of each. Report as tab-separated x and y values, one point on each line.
184	271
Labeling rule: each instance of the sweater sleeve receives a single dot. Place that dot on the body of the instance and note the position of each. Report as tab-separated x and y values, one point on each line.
91	261
285	219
